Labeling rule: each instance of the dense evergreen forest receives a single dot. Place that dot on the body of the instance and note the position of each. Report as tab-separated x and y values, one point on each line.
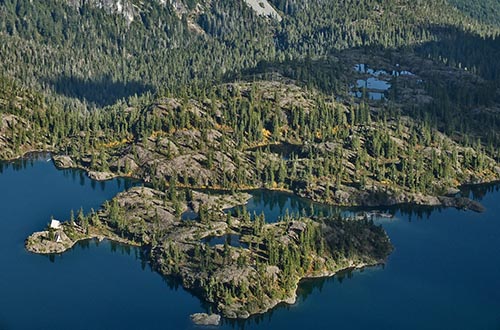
85	53
487	11
115	86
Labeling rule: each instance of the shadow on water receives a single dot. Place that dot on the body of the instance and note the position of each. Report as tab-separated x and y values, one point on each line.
306	288
26	162
478	192
276	204
99	92
189	214
141	254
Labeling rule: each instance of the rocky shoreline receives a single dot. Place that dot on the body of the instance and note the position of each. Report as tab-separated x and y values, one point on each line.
348	198
349	163
63	239
241	278
178	247
239	281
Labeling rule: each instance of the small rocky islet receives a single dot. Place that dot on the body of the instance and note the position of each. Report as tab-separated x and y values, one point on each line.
239	280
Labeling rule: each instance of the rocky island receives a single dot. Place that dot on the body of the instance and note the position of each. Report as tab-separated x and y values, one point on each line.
266	133
251	268
273	134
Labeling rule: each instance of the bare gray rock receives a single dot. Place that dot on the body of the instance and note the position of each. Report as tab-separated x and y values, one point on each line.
452	191
63	161
264	8
101	176
205	319
462	203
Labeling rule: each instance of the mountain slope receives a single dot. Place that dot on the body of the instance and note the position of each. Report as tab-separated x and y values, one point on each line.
100	51
81	56
487	11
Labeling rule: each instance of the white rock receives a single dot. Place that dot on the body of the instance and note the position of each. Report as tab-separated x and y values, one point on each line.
205	319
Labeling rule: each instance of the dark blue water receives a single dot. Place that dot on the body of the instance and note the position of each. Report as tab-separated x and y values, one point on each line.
276	204
443	274
92	286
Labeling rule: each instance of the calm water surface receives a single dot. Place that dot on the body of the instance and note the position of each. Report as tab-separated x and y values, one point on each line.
443	274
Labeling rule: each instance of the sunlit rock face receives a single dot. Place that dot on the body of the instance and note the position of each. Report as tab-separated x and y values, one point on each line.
127	8
264	8
130	9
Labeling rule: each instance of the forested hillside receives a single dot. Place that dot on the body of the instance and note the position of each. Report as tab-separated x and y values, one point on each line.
98	52
487	11
182	83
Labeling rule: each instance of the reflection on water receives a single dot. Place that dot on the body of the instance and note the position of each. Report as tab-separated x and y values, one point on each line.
478	192
363	68
376	96
373	83
276	204
308	289
374	86
310	286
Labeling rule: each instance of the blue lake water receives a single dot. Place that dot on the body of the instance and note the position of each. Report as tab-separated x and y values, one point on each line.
377	84
443	274
276	204
373	83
